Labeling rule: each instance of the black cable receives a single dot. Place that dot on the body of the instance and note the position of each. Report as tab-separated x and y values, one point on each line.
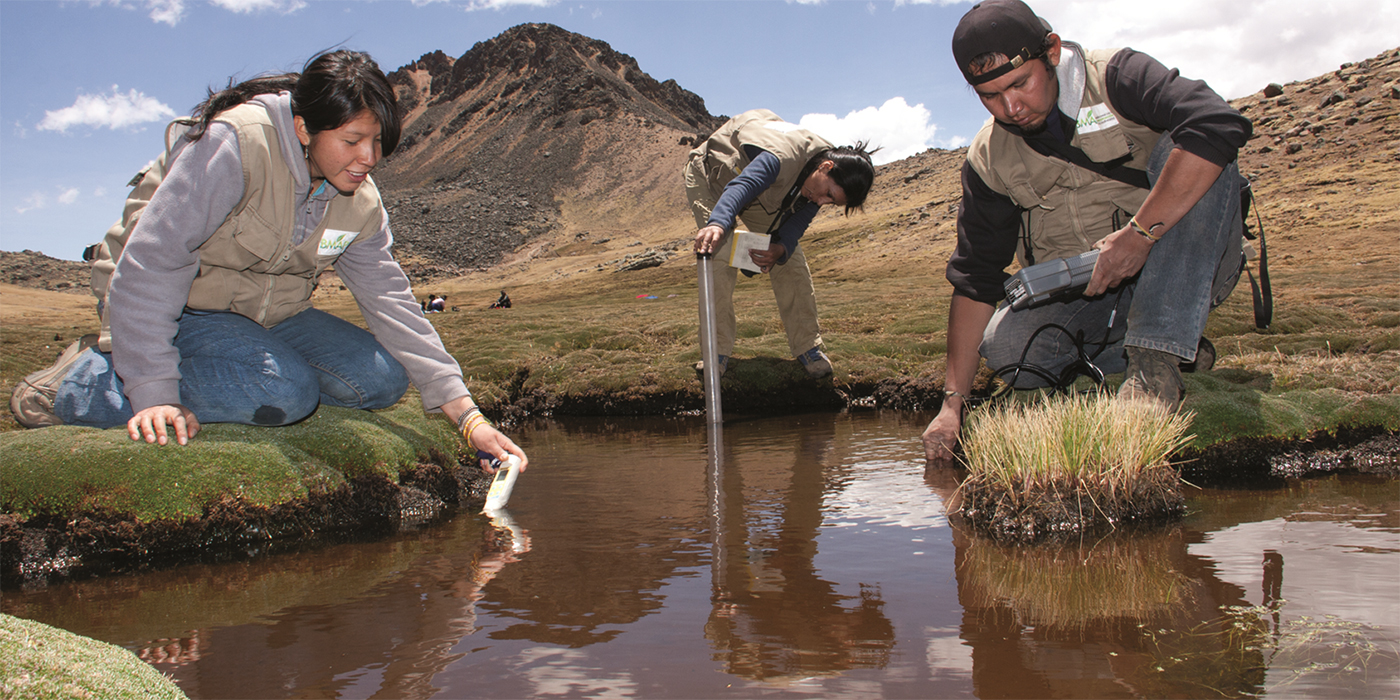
1082	365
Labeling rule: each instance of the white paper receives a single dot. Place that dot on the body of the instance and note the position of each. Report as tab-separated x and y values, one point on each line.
745	241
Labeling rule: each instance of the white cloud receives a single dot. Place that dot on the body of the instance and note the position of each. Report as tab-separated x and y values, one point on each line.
35	200
40	200
115	111
251	6
473	5
898	129
167	11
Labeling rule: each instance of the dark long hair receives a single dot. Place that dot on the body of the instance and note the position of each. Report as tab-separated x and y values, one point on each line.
852	171
328	93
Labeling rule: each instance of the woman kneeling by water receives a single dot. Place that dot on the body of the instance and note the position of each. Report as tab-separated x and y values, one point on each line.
205	284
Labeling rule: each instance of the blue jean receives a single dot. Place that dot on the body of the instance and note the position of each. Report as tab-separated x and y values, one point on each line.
1187	273
233	370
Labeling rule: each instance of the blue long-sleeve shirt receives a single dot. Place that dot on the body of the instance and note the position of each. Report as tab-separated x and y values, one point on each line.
762	173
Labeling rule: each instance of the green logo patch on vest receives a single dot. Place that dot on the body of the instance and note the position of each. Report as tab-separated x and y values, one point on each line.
1095	118
334	242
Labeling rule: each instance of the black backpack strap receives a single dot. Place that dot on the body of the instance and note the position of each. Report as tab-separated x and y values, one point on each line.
1262	290
1115	169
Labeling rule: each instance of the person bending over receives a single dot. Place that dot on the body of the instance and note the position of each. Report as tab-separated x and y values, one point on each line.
772	177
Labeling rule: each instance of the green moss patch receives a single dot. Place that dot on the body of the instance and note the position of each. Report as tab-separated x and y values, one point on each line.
38	661
67	469
1233	406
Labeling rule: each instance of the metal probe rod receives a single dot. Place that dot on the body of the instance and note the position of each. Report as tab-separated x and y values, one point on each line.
709	354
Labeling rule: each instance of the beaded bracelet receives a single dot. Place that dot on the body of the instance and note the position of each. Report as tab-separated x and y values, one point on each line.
472	424
462	419
468	421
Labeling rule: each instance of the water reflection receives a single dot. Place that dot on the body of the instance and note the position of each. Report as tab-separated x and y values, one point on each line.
318	624
1171	614
774	616
813	559
1080	620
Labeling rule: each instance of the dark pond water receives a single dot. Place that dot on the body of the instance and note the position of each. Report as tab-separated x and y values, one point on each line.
817	562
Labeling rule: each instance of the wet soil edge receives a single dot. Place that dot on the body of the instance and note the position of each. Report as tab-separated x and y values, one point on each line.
800	396
1257	461
1266	462
52	547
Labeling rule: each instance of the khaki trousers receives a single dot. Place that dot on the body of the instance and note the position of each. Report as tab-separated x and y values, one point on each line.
792	281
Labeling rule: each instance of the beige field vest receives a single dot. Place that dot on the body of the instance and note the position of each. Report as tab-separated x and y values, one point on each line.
1068	208
724	160
249	264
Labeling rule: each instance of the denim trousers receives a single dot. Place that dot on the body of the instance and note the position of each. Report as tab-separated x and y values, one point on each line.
1187	273
233	370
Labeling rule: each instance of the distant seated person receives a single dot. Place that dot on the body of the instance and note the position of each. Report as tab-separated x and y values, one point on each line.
437	305
503	302
204	286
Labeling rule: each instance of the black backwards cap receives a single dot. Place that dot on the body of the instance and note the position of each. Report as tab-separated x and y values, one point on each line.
1007	27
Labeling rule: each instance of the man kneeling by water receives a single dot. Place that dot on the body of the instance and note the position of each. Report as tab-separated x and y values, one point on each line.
1105	150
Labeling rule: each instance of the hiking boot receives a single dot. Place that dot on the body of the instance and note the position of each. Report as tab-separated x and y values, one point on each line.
1153	375
1205	357
817	363
723	365
32	402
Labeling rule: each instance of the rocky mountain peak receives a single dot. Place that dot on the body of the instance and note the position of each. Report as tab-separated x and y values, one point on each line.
495	139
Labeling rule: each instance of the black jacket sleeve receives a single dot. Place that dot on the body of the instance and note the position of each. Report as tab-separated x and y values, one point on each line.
989	225
1197	119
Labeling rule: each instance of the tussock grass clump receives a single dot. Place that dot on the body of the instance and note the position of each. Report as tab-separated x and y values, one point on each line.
1070	465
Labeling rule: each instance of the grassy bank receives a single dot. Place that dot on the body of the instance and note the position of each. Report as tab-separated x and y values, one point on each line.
590	345
41	662
624	343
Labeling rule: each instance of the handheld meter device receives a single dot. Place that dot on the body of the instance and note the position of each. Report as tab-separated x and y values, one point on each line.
1038	283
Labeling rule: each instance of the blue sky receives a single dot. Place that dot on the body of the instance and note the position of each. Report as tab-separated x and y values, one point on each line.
86	86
